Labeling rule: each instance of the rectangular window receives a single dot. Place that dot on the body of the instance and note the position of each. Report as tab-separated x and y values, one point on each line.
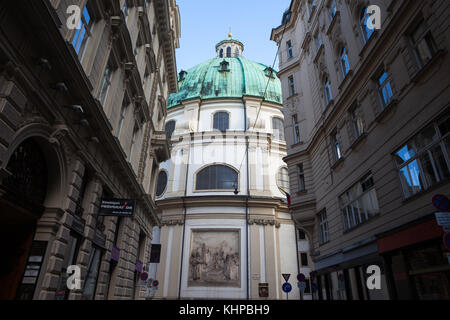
424	160
356	123
336	146
323	227
133	141
105	84
423	43
90	284
291	86
296	127
123	111
359	203
125	9
318	40
332	9
384	89
289	49
304	259
82	33
301	178
301	235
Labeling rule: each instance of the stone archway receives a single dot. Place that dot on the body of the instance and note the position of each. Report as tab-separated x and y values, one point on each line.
32	175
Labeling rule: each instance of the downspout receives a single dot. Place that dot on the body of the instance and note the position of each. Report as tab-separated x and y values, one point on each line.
184	217
246	202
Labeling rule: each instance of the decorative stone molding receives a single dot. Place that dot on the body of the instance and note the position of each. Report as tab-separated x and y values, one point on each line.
172	222
264	221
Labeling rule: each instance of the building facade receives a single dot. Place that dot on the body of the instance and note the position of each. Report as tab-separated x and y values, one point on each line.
226	230
82	113
367	132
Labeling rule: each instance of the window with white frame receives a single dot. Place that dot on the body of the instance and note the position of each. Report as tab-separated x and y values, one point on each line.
291	86
323	227
301	178
217	177
278	128
327	91
125	9
122	114
366	24
296	127
133	141
345	65
83	33
317	40
283	179
423	43
289	49
221	121
335	145
356	122
384	89
359	203
106	83
332	10
424	160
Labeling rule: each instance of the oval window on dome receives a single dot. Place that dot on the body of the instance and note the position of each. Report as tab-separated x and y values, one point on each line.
217	177
162	183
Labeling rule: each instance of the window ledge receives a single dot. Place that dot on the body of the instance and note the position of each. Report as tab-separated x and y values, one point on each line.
424	192
337	163
358	140
293	96
387	110
330	104
301	193
367	44
372	218
345	80
427	67
333	22
297	144
318	53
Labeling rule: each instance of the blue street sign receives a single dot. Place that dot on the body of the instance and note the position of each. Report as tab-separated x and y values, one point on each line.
301	285
287	287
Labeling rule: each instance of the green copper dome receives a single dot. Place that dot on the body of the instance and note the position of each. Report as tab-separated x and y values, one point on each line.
220	78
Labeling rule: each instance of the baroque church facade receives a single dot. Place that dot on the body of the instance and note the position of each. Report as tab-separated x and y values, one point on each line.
226	231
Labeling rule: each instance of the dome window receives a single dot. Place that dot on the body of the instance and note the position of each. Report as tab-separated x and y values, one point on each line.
224	66
161	183
269	72
221	121
170	128
217	177
182	74
221	53
228	52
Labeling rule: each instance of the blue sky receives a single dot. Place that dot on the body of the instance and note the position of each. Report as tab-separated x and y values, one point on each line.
206	22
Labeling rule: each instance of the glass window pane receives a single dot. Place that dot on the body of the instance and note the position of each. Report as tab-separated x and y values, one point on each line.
426	136
404	154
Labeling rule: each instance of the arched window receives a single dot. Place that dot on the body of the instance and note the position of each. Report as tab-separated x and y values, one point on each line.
29	175
221	53
278	128
217	177
228	52
162	183
221	121
366	25
327	91
283	179
170	128
345	65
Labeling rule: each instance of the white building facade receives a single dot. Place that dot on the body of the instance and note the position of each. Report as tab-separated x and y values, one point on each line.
226	230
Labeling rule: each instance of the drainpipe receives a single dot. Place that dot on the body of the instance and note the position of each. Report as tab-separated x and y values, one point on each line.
184	216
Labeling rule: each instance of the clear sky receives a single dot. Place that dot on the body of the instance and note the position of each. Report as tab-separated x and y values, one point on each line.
204	23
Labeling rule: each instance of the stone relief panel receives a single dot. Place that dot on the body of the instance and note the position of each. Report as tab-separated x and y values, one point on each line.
214	258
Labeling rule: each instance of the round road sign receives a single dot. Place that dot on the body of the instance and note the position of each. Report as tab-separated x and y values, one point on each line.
287	287
301	285
144	276
301	277
441	202
447	240
155	283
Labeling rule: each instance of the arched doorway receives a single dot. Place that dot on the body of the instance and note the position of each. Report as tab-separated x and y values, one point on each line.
22	195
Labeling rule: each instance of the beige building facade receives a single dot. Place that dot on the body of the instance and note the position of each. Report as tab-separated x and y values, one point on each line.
367	130
82	113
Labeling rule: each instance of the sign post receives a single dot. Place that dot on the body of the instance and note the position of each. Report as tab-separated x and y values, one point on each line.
286	286
301	283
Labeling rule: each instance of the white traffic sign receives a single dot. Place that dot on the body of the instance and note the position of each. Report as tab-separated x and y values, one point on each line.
301	285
